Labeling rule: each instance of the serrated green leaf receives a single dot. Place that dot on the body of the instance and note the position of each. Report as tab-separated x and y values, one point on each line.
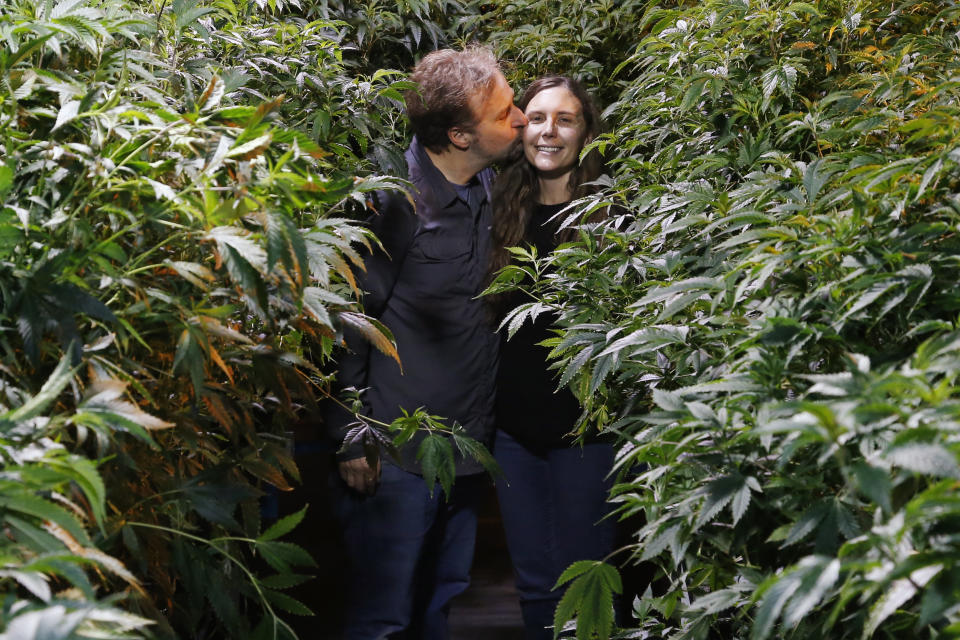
719	493
820	575
899	592
807	522
589	598
574	366
283	556
472	449
286	603
36	405
435	456
659	542
283	526
772	603
35	506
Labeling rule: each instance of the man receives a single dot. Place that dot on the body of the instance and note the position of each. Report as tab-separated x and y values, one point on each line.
411	551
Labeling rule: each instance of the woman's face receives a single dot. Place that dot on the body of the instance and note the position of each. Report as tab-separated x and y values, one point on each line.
555	131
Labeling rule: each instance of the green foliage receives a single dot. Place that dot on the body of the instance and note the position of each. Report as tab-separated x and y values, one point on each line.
439	446
589	597
768	316
393	34
174	263
587	40
47	541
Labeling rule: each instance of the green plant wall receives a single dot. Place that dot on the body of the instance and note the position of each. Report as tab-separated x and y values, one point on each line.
174	270
767	319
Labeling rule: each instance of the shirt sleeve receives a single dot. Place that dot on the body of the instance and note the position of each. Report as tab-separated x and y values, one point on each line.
394	224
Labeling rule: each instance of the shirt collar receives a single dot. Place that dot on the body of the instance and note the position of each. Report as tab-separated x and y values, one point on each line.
430	182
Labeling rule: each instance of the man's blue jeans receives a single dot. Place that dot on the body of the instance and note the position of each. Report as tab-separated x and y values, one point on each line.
553	504
409	553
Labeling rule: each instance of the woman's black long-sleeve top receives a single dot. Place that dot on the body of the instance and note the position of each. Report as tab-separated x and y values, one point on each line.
528	407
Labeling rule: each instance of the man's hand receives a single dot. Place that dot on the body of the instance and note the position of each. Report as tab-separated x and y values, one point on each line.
360	476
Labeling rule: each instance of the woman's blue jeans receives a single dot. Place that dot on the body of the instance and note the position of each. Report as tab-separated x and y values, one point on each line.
553	504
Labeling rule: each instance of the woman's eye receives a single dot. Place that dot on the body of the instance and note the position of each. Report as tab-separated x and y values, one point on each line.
535	119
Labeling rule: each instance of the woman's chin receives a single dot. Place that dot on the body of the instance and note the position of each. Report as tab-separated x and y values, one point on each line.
549	171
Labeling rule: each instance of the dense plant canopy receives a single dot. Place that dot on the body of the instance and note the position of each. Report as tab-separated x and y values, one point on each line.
171	279
767	319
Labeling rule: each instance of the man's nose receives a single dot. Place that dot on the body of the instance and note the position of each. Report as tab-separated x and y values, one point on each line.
519	120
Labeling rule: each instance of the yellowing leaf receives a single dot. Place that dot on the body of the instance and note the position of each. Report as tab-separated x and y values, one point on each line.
373	331
109	563
344	270
106	395
213	94
215	356
215	327
266	107
266	471
195	273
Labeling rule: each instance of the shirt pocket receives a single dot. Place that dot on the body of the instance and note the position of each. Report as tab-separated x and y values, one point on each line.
440	246
441	264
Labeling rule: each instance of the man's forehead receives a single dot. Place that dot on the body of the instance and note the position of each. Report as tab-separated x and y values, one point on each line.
499	89
497	97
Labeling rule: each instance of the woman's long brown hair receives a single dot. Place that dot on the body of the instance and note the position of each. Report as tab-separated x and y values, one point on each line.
517	189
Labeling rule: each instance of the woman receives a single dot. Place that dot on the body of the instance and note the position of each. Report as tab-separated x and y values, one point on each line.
552	496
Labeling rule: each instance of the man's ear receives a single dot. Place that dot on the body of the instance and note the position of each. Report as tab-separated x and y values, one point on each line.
460	138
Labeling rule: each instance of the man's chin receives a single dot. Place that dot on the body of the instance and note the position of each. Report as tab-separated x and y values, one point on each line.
511	152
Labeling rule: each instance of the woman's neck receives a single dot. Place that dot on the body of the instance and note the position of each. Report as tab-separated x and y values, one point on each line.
554	190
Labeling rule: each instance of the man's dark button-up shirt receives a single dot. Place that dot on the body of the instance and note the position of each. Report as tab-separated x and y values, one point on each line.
424	289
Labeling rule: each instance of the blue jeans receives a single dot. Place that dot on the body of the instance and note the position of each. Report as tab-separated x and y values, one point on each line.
409	554
552	503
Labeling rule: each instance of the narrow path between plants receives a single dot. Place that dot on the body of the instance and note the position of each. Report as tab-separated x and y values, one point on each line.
489	608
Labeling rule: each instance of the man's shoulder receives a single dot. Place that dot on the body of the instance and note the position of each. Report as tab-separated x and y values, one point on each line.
393	202
392	216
